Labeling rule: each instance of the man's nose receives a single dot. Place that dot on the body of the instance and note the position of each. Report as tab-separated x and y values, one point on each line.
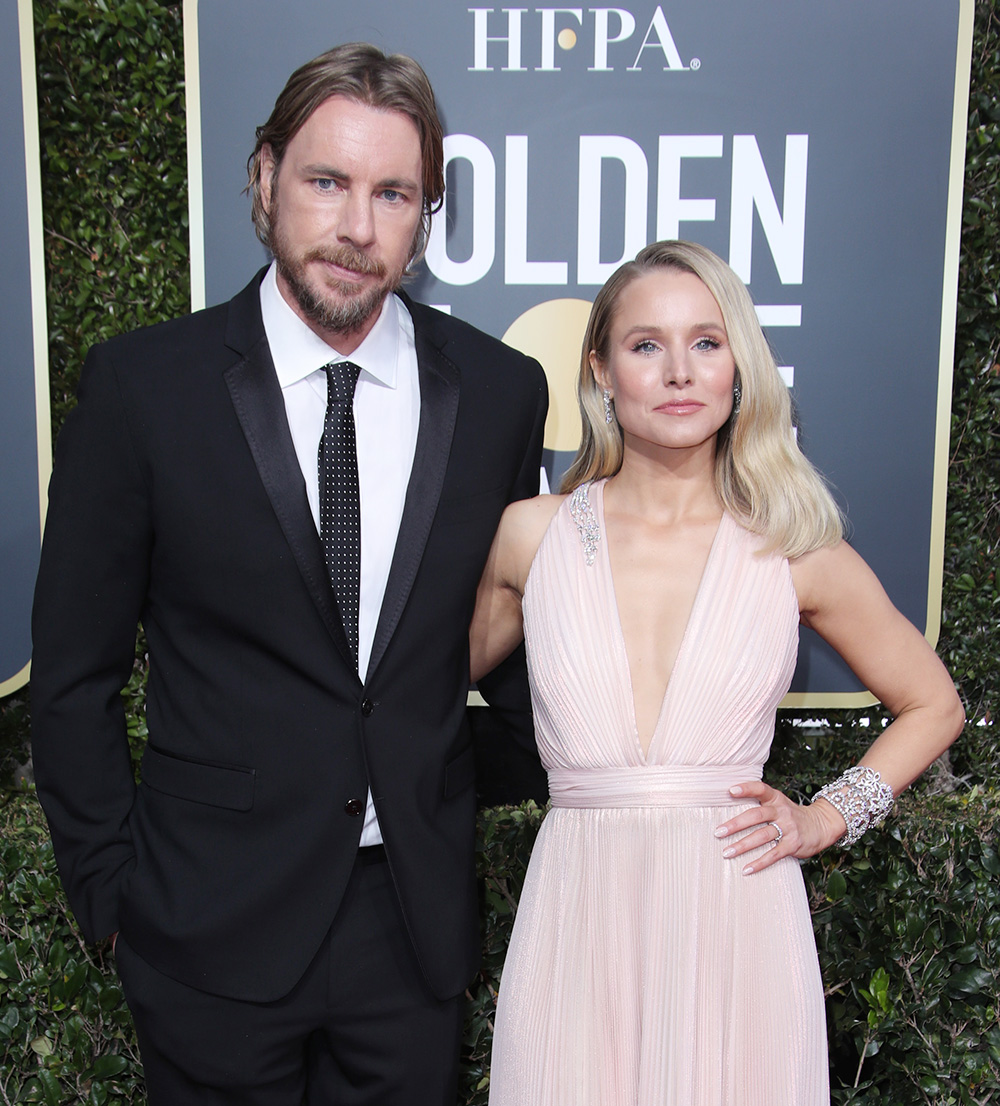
357	220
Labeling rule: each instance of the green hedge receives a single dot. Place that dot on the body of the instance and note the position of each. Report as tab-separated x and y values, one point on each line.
908	930
969	642
65	1032
906	923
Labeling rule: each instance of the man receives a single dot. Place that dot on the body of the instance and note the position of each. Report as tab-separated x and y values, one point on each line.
293	878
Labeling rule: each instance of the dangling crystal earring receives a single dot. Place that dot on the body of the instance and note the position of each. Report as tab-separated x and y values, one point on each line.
609	418
737	397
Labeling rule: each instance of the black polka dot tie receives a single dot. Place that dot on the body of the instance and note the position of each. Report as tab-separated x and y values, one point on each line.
339	497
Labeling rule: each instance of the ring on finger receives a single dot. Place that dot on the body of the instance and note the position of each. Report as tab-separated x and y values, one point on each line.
781	832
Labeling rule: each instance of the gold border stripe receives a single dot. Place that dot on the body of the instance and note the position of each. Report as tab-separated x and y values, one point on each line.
196	184
36	277
946	361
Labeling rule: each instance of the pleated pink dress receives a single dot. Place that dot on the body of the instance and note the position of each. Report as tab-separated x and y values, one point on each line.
644	969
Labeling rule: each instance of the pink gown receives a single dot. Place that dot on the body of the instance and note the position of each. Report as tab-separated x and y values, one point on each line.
644	969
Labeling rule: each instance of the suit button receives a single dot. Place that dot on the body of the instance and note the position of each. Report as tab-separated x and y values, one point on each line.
367	706
353	807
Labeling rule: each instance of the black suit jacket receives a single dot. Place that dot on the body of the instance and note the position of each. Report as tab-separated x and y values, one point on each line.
177	500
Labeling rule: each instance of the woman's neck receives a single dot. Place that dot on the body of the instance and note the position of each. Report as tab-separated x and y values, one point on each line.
667	485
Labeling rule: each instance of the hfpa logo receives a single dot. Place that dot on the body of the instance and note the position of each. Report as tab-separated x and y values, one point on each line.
607	26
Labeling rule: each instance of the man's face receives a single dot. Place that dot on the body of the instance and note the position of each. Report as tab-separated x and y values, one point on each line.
350	206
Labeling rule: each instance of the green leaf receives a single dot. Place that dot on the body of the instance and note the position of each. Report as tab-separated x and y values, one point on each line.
973	981
51	1089
106	1067
42	1046
836	886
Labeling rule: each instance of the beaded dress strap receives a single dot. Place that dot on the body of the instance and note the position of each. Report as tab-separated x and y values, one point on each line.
586	522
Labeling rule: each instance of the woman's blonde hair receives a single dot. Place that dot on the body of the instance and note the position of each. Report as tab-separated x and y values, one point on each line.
761	476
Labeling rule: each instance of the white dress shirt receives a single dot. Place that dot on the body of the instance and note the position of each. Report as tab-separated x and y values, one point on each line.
386	416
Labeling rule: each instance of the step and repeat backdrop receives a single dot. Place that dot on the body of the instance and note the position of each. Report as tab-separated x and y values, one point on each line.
25	438
817	148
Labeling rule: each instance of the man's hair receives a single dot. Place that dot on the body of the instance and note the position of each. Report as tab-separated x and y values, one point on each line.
363	73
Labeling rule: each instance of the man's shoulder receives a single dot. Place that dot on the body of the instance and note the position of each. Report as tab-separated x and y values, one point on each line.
183	331
196	333
461	341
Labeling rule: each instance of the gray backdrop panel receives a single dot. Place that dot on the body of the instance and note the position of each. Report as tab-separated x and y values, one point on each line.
19	530
871	85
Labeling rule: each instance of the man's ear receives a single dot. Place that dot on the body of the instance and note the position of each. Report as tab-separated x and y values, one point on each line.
268	167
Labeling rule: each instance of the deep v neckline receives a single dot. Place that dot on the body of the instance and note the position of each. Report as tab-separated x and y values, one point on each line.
617	621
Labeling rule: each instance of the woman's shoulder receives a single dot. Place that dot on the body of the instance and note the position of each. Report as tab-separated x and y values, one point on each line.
832	574
522	528
529	517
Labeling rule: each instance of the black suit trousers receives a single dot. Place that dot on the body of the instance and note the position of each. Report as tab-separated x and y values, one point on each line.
361	1028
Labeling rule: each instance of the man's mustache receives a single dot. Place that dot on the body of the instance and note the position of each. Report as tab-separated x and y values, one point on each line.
349	258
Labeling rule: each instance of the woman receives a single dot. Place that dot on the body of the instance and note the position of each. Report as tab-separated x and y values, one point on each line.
663	953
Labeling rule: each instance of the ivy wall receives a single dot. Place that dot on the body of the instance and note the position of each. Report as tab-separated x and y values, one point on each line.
907	924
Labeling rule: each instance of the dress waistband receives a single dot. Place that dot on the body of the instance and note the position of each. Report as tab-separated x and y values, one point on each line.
650	785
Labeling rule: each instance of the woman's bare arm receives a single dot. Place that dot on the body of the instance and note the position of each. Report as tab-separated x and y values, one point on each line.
842	600
497	627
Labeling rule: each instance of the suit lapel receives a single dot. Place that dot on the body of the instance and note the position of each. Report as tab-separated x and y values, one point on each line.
260	408
439	391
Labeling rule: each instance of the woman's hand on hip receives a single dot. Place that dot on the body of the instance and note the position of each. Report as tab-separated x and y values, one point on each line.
788	827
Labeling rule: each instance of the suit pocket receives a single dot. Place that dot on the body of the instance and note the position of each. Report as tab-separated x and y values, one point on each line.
212	784
459	773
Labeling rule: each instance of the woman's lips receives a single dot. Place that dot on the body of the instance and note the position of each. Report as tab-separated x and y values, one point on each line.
688	407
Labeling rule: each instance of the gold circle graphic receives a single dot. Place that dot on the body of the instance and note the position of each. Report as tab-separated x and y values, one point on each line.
552	333
566	38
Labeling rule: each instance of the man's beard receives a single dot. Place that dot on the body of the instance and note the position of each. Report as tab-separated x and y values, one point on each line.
348	314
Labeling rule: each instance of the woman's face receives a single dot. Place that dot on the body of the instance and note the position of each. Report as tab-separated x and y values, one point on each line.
669	368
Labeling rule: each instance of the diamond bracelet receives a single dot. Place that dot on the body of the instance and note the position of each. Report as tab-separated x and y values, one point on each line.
861	799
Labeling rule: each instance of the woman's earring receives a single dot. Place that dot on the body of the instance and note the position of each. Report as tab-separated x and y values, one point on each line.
737	397
609	418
